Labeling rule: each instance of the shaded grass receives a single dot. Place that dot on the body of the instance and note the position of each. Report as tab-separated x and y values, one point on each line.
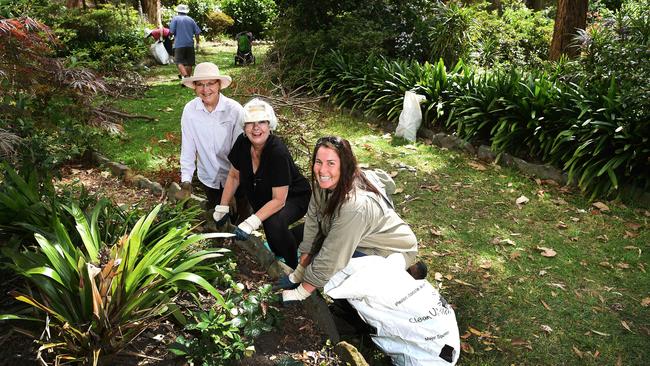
483	248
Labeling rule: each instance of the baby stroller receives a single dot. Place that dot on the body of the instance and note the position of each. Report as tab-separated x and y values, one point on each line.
244	54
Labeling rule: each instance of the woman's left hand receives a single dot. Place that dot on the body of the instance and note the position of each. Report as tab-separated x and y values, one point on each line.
244	230
295	295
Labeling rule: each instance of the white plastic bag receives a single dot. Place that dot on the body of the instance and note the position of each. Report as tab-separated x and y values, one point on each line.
415	325
159	52
411	117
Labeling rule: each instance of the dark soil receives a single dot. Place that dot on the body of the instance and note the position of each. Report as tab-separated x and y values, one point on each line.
295	341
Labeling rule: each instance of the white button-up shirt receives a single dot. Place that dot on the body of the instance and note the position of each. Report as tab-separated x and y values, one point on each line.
207	138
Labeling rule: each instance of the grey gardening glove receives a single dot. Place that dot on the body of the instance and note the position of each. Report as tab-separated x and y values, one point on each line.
291	281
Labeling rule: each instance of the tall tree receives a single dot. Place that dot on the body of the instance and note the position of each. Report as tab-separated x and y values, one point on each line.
571	15
152	9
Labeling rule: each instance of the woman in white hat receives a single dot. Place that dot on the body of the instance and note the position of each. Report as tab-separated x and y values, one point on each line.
264	169
210	124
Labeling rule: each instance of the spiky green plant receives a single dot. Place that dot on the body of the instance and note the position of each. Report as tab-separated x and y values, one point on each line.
94	299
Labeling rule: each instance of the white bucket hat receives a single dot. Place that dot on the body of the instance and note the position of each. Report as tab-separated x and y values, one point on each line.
207	71
182	8
257	110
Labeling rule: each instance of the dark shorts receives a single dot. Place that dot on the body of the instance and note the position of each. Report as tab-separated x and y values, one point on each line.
184	56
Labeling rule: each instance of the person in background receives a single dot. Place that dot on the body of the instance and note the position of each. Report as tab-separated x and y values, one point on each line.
264	169
161	34
185	31
348	216
210	124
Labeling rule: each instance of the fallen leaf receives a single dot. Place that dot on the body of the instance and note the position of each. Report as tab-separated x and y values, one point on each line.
577	351
486	265
507	241
363	165
645	302
562	225
398	190
605	264
545	305
519	342
633	226
466	335
461	282
449	277
437	276
622	265
475	331
466	347
546	328
522	200
515	255
632	247
630	235
547	252
599	333
435	232
476	166
619	361
168	109
394	173
601	206
434	188
626	326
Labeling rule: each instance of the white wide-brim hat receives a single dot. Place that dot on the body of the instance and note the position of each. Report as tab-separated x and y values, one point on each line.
257	110
207	71
182	8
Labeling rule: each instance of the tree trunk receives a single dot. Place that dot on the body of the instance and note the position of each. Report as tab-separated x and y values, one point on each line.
571	15
152	10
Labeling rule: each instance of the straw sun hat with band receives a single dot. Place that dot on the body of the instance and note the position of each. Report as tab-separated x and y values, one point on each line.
207	71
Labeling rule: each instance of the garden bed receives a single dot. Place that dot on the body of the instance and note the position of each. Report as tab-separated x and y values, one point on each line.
295	338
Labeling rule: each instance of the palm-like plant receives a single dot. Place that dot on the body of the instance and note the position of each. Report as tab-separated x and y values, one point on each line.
97	297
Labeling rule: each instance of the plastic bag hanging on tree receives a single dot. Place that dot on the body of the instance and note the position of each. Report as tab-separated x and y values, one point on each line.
411	117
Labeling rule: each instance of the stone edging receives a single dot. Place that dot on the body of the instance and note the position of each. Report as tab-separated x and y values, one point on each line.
315	305
541	171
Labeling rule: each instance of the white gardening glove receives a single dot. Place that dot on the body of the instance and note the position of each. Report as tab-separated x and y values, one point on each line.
297	274
220	214
244	230
292	296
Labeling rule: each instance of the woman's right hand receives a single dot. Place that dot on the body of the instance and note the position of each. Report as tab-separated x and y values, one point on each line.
220	214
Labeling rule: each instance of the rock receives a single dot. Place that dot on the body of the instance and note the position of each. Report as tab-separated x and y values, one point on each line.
486	154
452	142
99	158
156	188
349	354
542	171
118	170
426	133
173	192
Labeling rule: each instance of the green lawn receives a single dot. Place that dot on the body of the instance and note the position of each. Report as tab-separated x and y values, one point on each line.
585	301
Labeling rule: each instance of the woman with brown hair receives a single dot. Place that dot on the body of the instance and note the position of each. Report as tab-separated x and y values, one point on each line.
348	216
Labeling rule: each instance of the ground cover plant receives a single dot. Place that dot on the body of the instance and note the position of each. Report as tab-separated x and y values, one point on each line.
538	274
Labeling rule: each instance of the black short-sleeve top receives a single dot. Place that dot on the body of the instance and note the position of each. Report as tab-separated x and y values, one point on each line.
276	169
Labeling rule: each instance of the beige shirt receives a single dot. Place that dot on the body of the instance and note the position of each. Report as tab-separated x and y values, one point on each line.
365	223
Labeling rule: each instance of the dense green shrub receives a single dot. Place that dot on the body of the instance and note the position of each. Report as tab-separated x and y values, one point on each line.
108	38
592	130
254	16
218	22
